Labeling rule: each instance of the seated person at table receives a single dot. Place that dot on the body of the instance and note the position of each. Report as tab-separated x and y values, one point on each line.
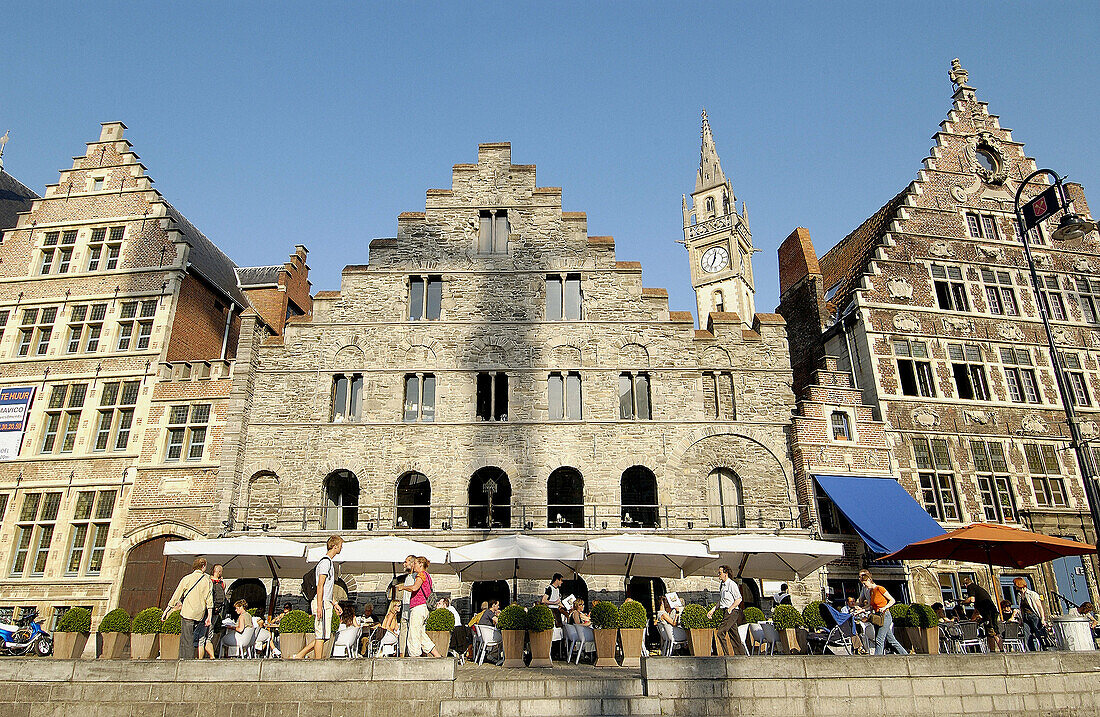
477	615
577	616
1087	611
274	622
863	632
667	613
960	613
445	603
489	617
1009	613
234	634
937	607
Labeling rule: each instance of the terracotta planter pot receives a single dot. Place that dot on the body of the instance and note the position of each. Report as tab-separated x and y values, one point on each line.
632	639
902	634
513	647
113	645
788	642
701	642
144	646
924	640
442	640
803	640
69	645
169	646
540	648
291	643
606	641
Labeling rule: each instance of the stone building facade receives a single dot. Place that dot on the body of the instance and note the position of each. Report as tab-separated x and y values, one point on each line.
123	318
494	368
928	305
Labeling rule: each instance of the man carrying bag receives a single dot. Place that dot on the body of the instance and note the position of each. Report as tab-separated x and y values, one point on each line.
195	601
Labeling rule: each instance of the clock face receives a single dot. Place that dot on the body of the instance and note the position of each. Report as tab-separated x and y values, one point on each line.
714	259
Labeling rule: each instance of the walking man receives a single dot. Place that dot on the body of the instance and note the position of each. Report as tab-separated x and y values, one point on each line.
323	603
212	638
194	599
729	601
406	608
1032	613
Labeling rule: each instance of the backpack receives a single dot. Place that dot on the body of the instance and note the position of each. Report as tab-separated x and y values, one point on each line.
309	580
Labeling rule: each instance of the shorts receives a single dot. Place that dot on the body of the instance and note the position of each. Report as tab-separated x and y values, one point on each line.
322	623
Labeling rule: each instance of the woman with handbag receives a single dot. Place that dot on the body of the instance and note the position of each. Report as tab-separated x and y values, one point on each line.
879	601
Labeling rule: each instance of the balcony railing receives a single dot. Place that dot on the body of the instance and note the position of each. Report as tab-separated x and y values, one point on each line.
588	517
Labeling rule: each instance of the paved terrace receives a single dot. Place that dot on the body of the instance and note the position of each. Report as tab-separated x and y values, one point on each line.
1041	684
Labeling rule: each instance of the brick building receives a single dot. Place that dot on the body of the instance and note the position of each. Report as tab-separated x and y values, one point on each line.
929	308
494	368
124	319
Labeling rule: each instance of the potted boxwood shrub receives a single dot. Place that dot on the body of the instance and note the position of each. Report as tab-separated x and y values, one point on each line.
293	628
540	633
632	624
787	621
700	630
114	635
512	622
143	634
72	634
811	616
900	611
605	624
440	623
923	630
170	636
754	614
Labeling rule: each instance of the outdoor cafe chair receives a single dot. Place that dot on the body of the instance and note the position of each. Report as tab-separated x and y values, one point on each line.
950	637
585	642
756	634
347	642
1013	639
970	638
841	626
771	636
384	645
239	644
488	637
671	637
569	632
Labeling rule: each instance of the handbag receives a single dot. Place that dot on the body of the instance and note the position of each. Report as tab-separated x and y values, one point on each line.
877	619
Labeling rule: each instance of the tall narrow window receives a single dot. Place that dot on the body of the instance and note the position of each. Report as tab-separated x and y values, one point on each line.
63	417
341	489
492	237
419	397
88	536
1053	301
103	253
1046	475
1088	299
726	498
413	501
966	365
842	426
914	368
492	396
719	301
35	331
116	415
187	430
134	329
85	328
3	322
710	206
634	399
425	297
950	289
638	498
565	499
564	396
1020	376
34	533
1000	293
563	297
718	398
347	395
936	478
994	482
1075	378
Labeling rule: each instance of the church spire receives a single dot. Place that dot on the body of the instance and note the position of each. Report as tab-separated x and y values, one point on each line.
710	167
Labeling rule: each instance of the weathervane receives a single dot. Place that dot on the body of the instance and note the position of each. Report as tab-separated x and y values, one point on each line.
3	141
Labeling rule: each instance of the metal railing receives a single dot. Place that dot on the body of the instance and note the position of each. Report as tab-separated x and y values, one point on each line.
587	517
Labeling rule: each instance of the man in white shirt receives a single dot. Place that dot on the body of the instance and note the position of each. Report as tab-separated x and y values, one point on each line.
406	596
324	603
729	601
1032	613
445	603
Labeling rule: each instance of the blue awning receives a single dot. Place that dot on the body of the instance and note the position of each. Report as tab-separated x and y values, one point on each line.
881	511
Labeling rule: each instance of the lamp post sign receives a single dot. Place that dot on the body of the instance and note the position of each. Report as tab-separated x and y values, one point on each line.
1041	206
15	405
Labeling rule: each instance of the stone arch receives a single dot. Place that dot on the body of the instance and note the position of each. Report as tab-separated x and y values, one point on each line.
633	355
152	530
341	490
715	357
349	356
420	355
565	498
149	576
412	500
490	350
639	497
479	516
564	355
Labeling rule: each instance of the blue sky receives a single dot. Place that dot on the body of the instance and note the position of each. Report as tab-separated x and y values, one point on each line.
270	125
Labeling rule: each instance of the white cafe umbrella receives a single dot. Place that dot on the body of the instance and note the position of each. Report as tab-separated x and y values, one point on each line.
514	556
246	556
649	555
382	554
774	557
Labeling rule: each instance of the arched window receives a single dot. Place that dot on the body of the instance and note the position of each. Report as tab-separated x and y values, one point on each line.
565	499
725	203
719	301
710	206
726	499
250	589
638	497
490	496
414	498
341	501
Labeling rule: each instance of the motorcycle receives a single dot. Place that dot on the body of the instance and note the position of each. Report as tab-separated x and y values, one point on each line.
25	638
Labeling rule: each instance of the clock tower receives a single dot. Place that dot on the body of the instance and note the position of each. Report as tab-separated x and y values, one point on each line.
718	240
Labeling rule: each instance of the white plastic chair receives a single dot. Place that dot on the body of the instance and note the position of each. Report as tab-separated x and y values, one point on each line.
756	632
569	631
347	642
488	637
557	636
586	641
671	637
771	636
240	643
742	633
263	645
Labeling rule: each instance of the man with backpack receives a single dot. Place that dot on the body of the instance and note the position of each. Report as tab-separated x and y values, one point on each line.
195	601
324	604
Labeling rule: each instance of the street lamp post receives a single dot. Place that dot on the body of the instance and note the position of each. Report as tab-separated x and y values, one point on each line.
1071	226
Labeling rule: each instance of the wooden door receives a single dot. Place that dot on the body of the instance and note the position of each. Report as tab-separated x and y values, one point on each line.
150	576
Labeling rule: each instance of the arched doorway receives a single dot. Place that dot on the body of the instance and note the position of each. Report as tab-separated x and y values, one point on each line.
726	499
490	497
341	500
488	591
150	576
250	589
565	499
638	498
578	588
648	591
750	592
414	498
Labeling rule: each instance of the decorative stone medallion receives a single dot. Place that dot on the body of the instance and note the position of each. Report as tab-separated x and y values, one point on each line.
1010	331
1033	424
958	324
940	249
980	417
906	322
925	417
899	289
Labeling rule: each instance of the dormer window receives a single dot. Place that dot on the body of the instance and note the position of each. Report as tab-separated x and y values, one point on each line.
97	184
492	237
